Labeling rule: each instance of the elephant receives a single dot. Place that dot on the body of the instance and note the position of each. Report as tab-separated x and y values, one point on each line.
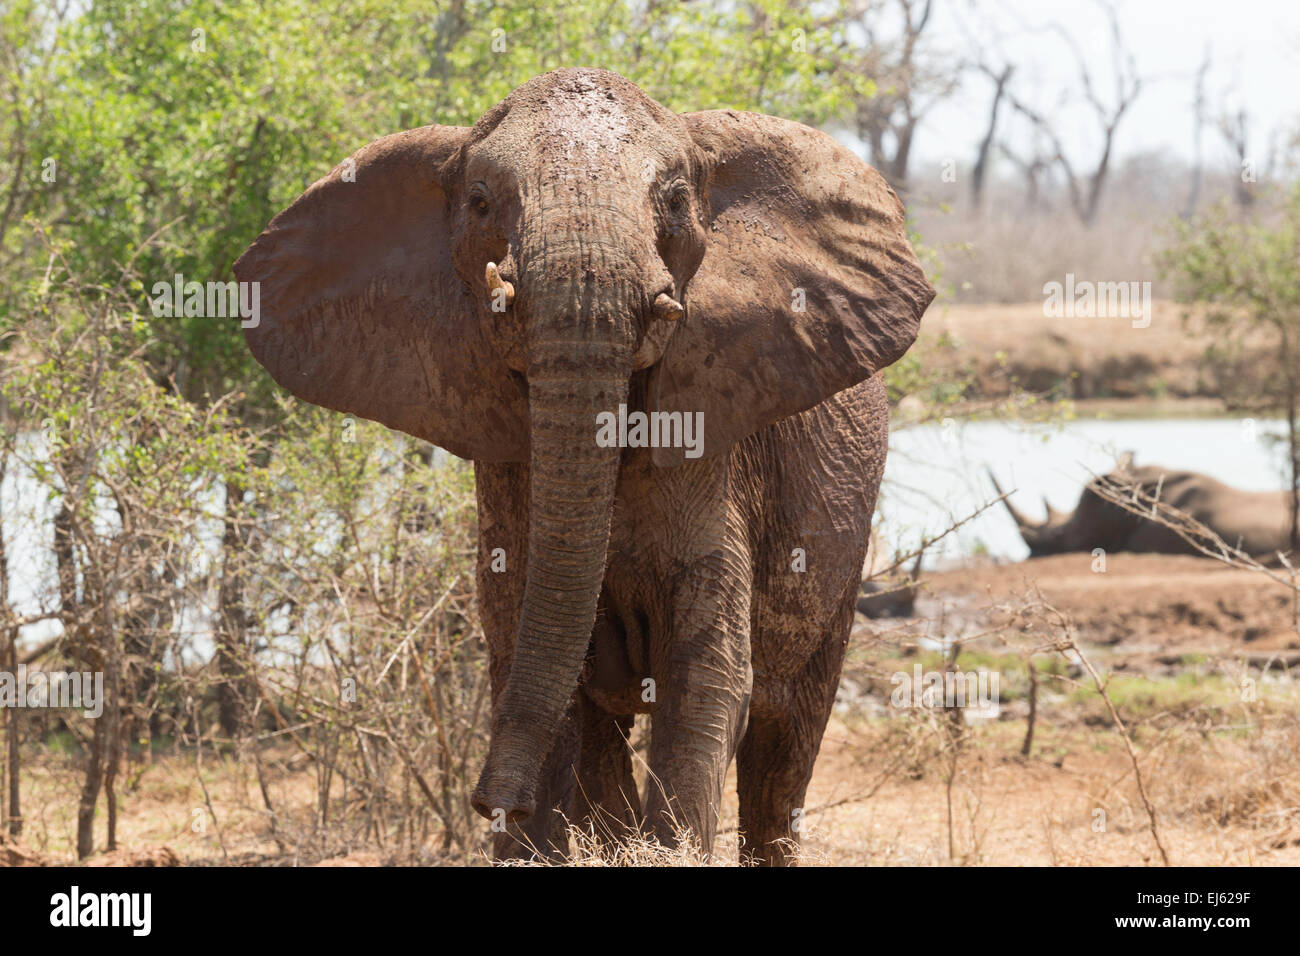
659	338
1255	522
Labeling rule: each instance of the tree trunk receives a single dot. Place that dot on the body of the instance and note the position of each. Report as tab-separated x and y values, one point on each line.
13	737
232	617
14	740
90	788
112	720
980	172
1293	436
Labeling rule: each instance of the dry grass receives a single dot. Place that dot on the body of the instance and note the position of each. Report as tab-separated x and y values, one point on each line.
1045	811
588	849
912	787
1226	795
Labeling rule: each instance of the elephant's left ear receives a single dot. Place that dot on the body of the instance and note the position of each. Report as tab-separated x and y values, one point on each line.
808	285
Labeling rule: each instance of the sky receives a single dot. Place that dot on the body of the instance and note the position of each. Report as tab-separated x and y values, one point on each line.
1254	45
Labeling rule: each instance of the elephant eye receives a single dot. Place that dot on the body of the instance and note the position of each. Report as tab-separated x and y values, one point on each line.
478	200
677	199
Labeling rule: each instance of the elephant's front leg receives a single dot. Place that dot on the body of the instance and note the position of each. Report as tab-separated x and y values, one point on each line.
501	574
704	677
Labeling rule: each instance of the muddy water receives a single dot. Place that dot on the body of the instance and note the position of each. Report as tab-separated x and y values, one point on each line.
936	474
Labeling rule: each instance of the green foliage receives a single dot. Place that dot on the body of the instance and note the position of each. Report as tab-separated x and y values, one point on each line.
1238	267
1247	275
195	121
109	434
343	571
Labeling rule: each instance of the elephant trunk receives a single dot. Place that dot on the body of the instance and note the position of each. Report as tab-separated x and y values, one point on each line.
574	377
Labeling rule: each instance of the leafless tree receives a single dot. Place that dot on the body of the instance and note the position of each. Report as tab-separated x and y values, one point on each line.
1034	167
1234	126
979	173
1199	107
1085	187
909	80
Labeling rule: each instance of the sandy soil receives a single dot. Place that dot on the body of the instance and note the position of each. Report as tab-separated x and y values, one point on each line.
1173	635
1157	606
1080	358
1179	632
1041	811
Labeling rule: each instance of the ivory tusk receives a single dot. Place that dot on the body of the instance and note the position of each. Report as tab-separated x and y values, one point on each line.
494	282
666	307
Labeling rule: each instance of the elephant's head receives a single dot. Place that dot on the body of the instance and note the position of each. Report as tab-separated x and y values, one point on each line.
493	289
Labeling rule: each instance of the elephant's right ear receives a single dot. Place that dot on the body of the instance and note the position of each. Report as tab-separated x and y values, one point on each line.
361	311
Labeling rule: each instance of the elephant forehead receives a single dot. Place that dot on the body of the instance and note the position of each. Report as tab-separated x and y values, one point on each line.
585	117
589	120
587	137
573	127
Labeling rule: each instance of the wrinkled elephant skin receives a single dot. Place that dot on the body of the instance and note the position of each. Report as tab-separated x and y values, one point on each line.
583	256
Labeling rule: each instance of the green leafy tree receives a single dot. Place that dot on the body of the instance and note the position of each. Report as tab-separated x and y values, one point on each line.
195	121
1246	275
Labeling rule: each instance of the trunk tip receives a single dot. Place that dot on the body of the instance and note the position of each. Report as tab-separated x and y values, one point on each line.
502	803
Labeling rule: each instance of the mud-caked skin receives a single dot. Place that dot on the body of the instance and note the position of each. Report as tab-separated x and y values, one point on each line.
500	290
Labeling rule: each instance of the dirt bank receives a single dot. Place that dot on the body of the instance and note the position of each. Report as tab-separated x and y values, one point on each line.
1174	638
1157	605
1001	346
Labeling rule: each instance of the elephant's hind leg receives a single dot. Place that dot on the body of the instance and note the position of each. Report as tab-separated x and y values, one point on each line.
776	756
